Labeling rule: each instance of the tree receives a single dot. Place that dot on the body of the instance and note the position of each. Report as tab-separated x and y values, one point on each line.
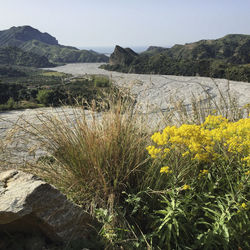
44	96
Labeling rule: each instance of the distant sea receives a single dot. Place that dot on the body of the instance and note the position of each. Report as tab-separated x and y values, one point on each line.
109	50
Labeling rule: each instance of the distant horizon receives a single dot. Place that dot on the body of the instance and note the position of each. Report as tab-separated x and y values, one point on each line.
140	48
129	46
110	49
130	23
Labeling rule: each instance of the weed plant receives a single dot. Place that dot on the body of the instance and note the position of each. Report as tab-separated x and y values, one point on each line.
96	156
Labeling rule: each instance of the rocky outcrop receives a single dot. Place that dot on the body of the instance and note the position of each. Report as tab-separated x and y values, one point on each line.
30	205
122	56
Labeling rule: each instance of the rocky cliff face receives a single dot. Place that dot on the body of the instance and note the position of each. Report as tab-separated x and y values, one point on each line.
122	56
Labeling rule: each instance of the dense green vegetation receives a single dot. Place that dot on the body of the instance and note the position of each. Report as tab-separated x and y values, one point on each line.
46	46
10	71
63	54
227	57
16	56
22	87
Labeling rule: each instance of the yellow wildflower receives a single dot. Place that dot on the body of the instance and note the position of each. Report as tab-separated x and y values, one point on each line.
185	187
216	138
244	205
203	173
248	172
247	160
185	154
166	170
166	150
153	151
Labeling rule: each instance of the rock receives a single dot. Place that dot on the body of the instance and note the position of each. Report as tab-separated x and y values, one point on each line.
122	56
28	204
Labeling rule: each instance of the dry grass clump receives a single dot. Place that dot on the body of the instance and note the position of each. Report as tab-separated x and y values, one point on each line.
95	156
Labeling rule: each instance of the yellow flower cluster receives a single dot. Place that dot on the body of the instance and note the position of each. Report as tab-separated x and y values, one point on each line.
166	170
215	138
246	160
153	151
244	205
203	173
185	187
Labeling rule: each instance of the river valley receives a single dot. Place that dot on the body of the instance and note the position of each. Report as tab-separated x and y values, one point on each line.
152	92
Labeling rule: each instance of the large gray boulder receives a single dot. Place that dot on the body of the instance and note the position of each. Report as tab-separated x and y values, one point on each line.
28	204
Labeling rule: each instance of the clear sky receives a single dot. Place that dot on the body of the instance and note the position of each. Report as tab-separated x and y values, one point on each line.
128	22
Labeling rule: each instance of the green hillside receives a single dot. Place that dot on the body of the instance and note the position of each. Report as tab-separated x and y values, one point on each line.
63	54
16	36
232	48
227	57
43	44
16	56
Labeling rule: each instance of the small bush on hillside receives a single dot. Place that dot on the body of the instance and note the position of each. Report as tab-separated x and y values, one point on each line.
101	81
44	96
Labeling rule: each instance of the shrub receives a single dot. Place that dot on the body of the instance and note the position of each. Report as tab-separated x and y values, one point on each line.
96	156
10	103
44	96
202	175
101	81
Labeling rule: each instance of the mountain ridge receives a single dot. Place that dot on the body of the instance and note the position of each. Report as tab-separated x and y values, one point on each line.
226	57
17	35
32	40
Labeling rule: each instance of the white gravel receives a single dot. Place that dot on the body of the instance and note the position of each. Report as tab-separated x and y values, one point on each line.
155	90
151	91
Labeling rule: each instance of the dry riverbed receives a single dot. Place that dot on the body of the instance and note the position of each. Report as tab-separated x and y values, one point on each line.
152	92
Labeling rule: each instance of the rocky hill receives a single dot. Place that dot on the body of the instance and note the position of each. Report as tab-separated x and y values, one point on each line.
227	57
122	56
233	48
63	54
32	40
16	36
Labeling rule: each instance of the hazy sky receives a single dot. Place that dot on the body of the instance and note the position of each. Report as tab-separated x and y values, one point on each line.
128	22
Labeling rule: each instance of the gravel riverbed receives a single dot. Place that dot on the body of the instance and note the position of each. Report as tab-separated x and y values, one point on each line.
152	93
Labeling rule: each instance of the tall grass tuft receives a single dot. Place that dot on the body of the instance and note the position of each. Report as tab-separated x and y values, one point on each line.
95	156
